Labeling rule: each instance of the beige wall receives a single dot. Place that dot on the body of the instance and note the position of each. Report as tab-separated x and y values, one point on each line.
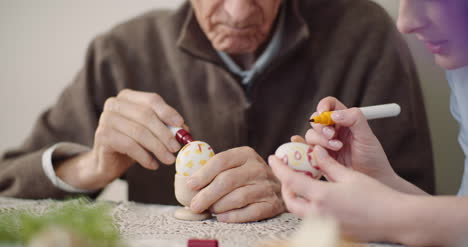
42	46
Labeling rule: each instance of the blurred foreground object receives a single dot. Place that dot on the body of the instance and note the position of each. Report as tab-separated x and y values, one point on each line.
316	231
202	243
76	222
57	236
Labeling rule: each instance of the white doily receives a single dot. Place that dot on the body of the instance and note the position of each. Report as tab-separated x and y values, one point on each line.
146	222
144	225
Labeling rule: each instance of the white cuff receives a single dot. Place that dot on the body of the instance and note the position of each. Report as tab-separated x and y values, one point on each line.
72	150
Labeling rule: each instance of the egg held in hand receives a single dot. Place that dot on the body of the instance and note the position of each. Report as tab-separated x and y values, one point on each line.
299	156
192	157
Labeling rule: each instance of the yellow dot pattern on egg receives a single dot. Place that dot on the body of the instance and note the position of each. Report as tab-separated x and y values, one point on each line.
189	164
186	174
192	157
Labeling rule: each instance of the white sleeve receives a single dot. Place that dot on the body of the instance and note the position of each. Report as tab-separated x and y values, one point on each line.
66	150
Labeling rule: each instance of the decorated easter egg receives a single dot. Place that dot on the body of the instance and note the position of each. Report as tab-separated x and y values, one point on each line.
298	156
192	157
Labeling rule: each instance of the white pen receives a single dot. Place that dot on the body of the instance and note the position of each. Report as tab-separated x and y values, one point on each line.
370	112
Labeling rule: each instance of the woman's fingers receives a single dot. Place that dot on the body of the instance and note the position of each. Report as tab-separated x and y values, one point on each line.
352	118
330	168
330	104
314	138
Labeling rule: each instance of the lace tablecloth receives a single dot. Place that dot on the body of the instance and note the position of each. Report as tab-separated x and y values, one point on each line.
144	225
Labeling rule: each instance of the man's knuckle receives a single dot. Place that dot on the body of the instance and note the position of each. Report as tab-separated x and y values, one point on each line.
257	214
129	146
270	188
155	99
277	206
219	160
165	111
260	172
255	167
123	92
145	114
104	119
102	132
225	182
137	132
247	150
110	103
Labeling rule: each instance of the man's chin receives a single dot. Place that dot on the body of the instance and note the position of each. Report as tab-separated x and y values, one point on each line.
237	47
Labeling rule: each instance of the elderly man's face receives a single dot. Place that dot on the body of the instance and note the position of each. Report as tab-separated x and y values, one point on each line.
236	26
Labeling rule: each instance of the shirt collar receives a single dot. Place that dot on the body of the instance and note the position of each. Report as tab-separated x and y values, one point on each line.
263	60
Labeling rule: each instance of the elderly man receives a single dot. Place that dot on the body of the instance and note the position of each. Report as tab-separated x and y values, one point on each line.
244	75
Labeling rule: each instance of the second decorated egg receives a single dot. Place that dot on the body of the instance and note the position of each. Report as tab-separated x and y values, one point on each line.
298	156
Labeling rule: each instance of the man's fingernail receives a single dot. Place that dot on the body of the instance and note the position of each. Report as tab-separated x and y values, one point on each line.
192	183
337	115
169	157
175	146
320	152
335	143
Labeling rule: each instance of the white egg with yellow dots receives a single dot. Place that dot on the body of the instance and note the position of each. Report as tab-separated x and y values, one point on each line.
190	159
299	156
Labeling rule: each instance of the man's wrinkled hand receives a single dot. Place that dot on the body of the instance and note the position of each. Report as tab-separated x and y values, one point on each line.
132	128
237	186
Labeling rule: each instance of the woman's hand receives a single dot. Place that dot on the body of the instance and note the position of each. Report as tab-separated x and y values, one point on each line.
353	144
364	207
351	141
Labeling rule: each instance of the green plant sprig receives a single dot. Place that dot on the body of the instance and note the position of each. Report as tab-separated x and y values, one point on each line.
91	221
